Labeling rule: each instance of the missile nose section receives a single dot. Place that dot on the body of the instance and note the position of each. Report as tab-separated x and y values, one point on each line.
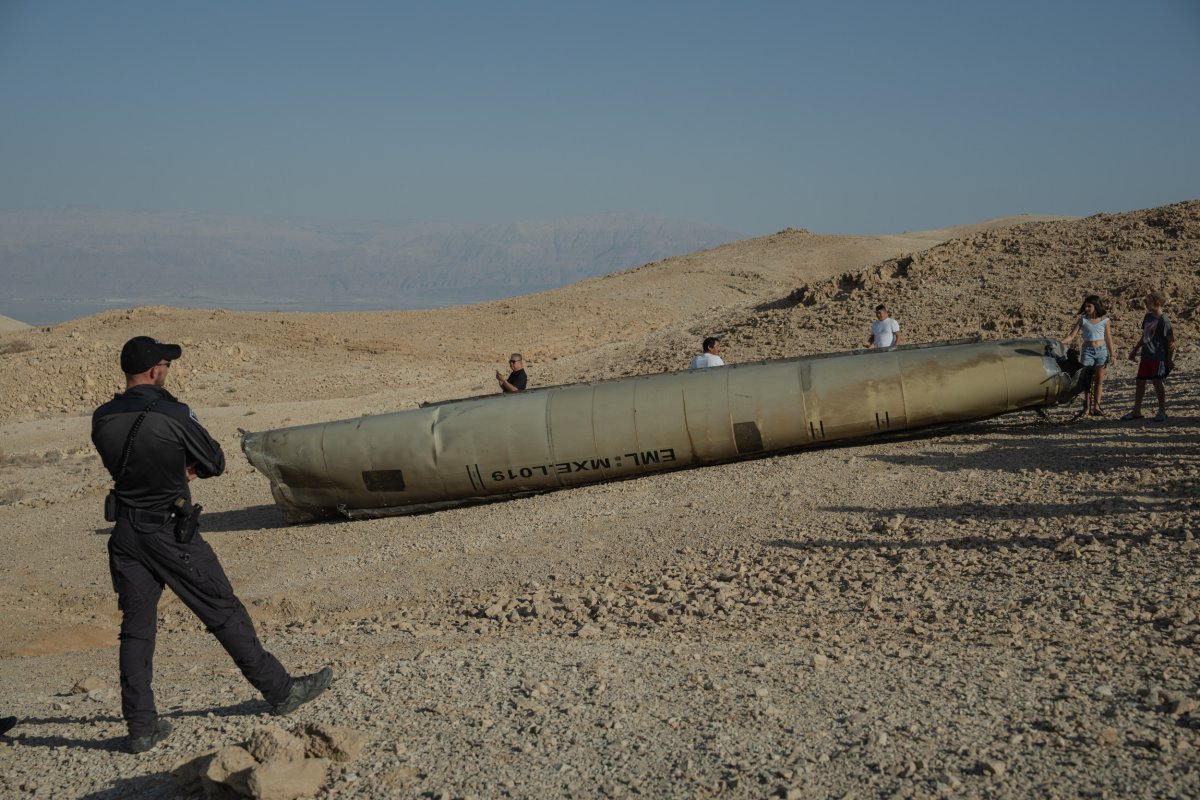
292	460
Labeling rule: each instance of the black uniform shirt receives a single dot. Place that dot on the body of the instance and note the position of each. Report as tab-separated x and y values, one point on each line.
518	379
169	439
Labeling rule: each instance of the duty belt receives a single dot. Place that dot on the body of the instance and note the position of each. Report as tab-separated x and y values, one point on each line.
144	517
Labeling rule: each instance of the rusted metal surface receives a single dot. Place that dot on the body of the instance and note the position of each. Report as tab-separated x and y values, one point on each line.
501	446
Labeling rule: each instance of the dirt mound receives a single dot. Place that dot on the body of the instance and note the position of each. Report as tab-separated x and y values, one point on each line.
1030	280
1025	280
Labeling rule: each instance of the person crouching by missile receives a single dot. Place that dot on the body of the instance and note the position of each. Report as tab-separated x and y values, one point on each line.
153	446
707	357
517	380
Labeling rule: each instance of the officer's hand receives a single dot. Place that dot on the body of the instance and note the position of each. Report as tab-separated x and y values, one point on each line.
191	472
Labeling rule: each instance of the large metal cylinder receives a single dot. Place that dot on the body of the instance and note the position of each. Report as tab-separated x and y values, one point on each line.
497	446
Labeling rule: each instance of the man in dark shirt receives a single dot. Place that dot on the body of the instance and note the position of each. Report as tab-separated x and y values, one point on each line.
517	379
153	446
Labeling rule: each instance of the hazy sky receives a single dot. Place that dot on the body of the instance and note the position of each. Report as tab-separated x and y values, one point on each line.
845	116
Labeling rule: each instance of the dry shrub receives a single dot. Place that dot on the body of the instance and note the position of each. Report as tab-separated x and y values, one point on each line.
15	346
11	495
29	459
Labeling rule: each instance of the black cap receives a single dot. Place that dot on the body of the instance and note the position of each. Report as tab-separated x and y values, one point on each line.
141	353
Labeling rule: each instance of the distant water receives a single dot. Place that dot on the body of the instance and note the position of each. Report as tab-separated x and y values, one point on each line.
52	312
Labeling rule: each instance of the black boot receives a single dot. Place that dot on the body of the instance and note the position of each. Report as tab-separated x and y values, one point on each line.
303	689
140	744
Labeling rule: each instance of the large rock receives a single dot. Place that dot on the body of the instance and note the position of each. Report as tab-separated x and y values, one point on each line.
186	773
229	767
287	780
271	743
333	742
88	685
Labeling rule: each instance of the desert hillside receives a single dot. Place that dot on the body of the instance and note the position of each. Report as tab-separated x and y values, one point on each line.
1009	608
582	331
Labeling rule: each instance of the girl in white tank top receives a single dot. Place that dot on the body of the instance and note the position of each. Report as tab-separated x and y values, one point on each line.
1096	345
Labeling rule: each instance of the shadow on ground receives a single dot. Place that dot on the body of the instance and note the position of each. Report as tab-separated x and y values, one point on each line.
242	519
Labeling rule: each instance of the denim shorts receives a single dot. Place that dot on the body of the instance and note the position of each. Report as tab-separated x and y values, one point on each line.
1094	356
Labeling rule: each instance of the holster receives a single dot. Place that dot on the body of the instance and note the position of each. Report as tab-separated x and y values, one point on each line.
110	507
187	520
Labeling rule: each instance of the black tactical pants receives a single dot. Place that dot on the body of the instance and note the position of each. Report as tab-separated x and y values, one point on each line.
141	559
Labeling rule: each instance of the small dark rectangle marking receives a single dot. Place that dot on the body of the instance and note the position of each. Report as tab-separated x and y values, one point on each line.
747	437
383	480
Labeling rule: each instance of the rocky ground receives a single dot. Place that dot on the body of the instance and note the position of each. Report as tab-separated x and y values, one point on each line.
1008	608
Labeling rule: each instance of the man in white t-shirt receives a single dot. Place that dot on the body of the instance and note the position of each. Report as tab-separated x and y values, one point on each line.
709	357
885	331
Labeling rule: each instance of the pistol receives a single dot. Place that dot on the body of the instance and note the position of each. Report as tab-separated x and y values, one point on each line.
187	520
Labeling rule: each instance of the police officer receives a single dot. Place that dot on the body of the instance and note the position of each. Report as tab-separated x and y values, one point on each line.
153	445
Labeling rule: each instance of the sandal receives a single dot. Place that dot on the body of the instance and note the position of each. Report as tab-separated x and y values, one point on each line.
1099	412
1132	415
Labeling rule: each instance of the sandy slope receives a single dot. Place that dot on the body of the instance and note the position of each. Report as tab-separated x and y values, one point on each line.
1005	609
9	325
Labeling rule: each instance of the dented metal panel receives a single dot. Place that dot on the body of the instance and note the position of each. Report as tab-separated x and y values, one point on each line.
509	445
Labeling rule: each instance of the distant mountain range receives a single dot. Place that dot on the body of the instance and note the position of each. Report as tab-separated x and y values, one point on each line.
105	259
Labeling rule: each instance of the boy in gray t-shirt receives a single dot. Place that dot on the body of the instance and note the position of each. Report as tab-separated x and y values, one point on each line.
1157	348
